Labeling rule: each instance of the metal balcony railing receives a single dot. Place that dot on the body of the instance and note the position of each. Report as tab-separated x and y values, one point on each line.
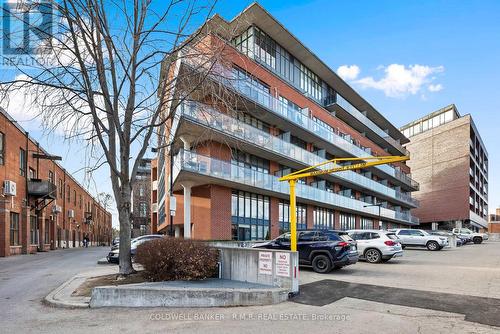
42	188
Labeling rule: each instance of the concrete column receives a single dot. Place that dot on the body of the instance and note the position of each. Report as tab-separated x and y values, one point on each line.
24	230
187	210
41	231
5	227
177	232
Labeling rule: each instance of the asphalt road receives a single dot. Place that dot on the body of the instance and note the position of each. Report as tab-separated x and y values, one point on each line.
25	280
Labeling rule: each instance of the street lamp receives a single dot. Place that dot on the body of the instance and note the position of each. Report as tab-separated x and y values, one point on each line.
379	215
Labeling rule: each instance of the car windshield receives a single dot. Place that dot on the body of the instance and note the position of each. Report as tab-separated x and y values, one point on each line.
284	237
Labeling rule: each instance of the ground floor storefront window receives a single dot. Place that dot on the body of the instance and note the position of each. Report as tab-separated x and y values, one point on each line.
347	221
366	223
324	219
33	230
249	216
284	216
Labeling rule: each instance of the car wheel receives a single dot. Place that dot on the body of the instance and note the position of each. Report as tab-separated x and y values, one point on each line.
432	246
322	264
373	255
477	240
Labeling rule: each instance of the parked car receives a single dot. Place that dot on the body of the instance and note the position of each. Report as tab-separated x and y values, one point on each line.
324	250
114	254
420	238
475	237
115	241
376	246
460	241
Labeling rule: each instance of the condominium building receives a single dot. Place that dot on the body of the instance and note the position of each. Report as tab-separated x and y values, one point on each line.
141	200
450	161
285	110
42	207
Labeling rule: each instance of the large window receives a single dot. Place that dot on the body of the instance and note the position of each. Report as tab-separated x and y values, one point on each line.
250	120
250	161
33	230
243	75
143	210
347	221
324	218
310	83
284	216
14	229
47	232
22	162
2	148
366	223
249	216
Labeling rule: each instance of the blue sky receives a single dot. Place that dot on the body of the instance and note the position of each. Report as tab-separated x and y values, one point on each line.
456	44
460	40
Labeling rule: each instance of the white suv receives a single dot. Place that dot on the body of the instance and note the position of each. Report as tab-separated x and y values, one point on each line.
477	238
420	238
376	245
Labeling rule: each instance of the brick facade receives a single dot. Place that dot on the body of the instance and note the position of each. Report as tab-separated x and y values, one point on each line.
41	230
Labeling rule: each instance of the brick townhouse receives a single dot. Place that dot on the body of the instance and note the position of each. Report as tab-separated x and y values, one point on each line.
290	111
42	207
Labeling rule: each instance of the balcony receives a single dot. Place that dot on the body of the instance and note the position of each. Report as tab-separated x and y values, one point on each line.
42	189
201	169
302	121
207	117
365	121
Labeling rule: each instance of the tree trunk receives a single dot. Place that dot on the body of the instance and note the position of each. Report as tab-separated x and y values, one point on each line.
124	218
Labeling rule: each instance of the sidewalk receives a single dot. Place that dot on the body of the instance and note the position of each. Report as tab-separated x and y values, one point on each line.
62	296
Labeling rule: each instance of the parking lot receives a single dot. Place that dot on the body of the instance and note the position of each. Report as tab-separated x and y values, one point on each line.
468	270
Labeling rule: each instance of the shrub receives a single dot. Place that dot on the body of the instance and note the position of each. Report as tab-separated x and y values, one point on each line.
169	259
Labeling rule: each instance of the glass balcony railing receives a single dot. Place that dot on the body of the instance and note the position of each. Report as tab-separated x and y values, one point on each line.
275	106
207	116
347	106
200	164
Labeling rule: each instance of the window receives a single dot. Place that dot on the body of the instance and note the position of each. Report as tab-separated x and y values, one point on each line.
250	120
249	216
68	189
323	218
141	190
305	236
310	83
284	216
250	161
14	229
51	177
80	202
366	223
33	230
74	197
347	221
22	162
61	188
2	148
143	210
32	173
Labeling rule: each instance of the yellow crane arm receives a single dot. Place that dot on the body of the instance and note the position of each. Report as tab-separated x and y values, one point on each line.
314	171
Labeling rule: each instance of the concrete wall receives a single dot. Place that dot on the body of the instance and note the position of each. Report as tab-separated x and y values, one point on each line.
247	265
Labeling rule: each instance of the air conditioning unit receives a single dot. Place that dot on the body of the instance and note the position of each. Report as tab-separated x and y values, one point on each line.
9	188
71	213
56	209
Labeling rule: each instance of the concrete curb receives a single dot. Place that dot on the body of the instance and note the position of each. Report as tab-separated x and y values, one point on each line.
61	296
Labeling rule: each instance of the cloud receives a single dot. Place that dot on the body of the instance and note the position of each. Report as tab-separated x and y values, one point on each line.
400	80
348	72
435	88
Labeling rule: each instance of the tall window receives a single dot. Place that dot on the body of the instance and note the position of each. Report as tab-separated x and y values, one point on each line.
61	188
310	83
74	197
366	223
22	162
80	202
33	230
68	189
143	209
324	218
47	231
2	148
51	177
250	161
14	229
347	221
284	216
249	216
32	173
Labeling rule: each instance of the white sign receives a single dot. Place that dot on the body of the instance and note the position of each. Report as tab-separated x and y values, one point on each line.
283	264
173	204
265	263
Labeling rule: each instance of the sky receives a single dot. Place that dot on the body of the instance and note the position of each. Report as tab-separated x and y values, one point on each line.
407	58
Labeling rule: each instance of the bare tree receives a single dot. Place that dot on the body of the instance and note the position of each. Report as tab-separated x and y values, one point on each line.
96	77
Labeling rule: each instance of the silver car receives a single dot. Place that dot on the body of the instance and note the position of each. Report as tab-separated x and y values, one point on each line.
420	238
376	246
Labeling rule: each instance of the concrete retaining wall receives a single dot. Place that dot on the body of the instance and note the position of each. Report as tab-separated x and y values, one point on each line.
279	268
